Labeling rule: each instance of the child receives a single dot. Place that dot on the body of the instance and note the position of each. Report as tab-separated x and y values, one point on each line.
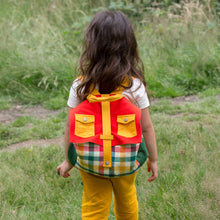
110	58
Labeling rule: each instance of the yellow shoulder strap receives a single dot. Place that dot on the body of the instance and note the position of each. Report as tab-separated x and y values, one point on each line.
119	90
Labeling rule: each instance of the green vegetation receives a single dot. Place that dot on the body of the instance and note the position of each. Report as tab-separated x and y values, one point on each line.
187	187
29	128
40	45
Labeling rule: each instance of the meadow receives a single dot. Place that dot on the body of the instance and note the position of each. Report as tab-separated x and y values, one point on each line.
187	186
41	42
40	45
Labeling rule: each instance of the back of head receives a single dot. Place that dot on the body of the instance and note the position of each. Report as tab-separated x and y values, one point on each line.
110	53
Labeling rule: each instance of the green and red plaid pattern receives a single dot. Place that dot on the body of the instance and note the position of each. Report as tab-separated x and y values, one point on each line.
90	159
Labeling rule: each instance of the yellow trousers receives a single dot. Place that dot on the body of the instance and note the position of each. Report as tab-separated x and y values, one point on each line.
97	197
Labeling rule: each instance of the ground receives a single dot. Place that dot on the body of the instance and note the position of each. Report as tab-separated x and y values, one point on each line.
10	115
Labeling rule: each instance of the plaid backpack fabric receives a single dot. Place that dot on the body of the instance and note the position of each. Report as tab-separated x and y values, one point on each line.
105	135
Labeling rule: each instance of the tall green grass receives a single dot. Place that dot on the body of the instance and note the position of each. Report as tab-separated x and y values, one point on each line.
40	45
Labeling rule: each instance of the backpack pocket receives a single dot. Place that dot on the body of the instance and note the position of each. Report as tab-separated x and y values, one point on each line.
126	125
84	125
142	154
72	155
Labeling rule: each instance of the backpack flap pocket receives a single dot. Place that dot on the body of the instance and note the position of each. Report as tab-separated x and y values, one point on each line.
84	125
126	125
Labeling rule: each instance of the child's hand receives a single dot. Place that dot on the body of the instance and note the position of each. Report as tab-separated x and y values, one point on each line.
152	166
64	168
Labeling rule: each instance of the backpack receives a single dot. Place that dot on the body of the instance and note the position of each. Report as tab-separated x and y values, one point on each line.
105	135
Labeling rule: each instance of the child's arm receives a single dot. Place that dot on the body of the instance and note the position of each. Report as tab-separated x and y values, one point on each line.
150	141
66	166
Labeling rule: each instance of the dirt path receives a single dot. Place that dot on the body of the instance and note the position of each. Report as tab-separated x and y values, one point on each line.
179	100
41	143
10	115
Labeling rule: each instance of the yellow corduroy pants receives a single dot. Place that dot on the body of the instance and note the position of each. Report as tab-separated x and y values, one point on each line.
97	197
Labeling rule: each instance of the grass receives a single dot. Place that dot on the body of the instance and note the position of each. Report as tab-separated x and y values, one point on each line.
5	102
41	44
28	127
187	187
33	197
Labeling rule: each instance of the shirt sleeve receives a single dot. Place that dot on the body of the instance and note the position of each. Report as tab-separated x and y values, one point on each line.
73	100
142	97
137	94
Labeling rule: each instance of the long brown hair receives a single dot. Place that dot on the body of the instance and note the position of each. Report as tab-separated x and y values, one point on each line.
110	54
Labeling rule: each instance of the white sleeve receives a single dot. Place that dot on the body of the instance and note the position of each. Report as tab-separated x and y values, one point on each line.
137	94
142	97
73	100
